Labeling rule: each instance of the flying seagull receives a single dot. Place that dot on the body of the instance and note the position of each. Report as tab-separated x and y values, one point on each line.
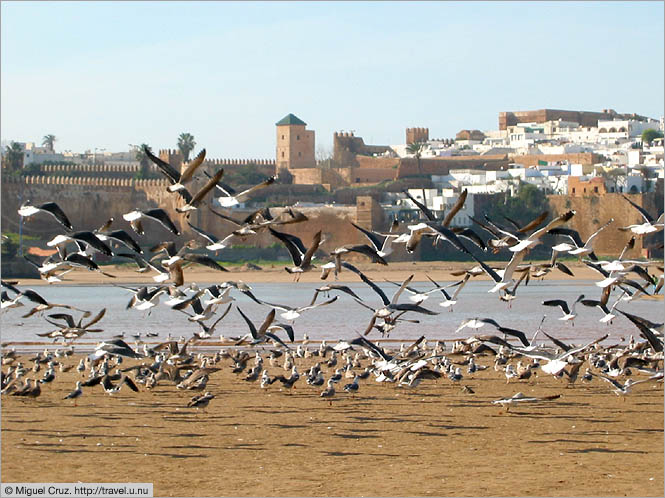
27	210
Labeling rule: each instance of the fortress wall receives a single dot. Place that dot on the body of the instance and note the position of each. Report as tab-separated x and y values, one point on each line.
264	166
87	202
370	176
377	162
578	158
307	176
594	211
441	166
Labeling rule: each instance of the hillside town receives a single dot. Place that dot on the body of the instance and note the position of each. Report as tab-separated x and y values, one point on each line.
572	158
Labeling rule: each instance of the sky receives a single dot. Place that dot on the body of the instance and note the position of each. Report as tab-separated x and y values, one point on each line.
108	74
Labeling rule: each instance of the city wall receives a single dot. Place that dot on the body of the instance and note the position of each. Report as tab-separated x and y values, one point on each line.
585	158
442	165
87	202
593	211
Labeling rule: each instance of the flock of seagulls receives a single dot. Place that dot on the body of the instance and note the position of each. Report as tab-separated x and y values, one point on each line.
360	359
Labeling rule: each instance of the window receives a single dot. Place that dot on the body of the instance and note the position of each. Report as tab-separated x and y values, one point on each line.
299	154
297	137
595	189
282	137
573	190
282	153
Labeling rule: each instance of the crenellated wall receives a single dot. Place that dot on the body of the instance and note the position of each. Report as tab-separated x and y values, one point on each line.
87	202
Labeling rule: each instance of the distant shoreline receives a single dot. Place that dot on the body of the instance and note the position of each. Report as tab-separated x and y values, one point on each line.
437	270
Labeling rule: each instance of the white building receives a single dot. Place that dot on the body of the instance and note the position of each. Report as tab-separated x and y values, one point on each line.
440	201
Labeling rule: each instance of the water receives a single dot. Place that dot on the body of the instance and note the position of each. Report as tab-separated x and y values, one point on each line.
343	319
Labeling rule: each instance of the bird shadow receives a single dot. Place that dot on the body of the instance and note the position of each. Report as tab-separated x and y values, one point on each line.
607	450
356	436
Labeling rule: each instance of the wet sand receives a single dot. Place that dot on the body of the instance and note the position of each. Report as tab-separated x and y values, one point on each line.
385	441
438	270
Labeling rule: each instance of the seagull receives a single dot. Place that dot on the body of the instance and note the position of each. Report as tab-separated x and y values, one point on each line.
368	251
331	287
198	197
116	347
290	382
111	388
352	388
76	393
72	329
503	278
449	301
520	398
177	179
389	305
162	273
234	199
568	313
329	391
215	243
200	401
27	210
264	332
580	248
82	240
301	257
158	214
649	225
118	236
382	242
43	304
476	323
442	230
649	330
602	305
293	312
534	238
145	297
505	238
625	388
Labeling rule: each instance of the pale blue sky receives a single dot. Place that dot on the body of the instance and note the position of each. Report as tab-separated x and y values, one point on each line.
106	74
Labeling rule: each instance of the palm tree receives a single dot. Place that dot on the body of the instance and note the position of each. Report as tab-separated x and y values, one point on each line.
49	141
14	156
142	158
416	148
186	145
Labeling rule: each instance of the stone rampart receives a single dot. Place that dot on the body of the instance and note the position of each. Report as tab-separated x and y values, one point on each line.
585	158
592	211
87	202
442	165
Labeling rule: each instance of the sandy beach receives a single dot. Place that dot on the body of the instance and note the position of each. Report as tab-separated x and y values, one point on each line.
434	440
438	270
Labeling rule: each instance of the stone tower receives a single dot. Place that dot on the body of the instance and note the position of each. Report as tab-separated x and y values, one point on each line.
171	156
414	135
295	144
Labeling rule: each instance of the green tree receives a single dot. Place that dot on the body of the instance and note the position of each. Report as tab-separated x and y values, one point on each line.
613	177
416	148
49	141
646	175
14	156
649	135
186	145
142	158
524	206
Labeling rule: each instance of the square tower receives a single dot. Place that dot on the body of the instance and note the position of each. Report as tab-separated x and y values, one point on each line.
295	144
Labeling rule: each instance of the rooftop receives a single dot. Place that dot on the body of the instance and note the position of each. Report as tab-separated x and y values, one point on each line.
290	119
